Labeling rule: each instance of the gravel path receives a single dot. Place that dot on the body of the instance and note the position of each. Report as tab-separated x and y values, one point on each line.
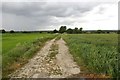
52	61
65	60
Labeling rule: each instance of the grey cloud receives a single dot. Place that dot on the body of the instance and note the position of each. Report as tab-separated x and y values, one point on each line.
42	8
22	8
39	15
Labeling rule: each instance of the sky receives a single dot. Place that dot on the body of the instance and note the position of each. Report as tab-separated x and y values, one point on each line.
49	15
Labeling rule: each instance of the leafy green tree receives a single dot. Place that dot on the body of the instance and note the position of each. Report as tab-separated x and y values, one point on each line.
99	31
75	30
55	31
62	29
3	31
70	31
80	30
12	31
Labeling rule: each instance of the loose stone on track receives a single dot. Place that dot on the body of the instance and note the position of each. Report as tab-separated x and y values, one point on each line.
52	61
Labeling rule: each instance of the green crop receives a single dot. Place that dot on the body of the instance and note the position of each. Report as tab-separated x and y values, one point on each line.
18	48
99	52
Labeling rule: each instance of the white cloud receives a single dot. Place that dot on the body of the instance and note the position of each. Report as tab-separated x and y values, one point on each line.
36	16
104	16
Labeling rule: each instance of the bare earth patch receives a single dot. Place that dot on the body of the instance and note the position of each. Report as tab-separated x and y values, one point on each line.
52	61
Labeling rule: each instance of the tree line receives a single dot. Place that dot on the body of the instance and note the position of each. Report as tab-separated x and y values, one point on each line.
3	31
63	29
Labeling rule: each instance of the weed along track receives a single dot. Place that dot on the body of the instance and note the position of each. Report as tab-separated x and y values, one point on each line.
52	61
35	65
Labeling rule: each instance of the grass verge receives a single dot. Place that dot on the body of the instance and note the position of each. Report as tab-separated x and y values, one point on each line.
20	55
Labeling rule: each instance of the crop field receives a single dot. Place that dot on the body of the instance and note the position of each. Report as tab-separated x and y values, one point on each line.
12	40
98	52
94	53
17	48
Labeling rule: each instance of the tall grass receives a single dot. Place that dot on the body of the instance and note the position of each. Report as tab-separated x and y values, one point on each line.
99	52
22	48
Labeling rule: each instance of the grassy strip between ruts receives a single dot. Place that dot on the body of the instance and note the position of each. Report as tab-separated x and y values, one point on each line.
98	52
20	55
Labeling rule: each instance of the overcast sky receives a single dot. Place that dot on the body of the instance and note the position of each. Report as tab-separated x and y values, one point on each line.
51	15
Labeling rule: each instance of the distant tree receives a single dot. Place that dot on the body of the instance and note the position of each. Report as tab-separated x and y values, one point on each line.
108	32
12	31
55	31
26	32
99	31
70	31
2	31
75	30
80	30
118	31
62	29
48	32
